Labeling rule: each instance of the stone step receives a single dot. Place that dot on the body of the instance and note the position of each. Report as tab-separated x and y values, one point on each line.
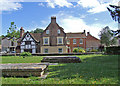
61	59
23	69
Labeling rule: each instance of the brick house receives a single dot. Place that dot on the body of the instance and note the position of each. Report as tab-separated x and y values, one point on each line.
8	45
54	40
75	40
92	42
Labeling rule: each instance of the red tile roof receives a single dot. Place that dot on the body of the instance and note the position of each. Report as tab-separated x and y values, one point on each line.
36	36
79	34
90	37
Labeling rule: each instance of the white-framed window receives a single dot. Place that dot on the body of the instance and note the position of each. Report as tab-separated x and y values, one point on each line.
45	40
68	41
74	41
60	50
81	41
45	50
58	31
60	40
47	31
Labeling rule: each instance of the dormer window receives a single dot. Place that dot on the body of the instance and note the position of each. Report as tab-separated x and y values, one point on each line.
58	31
47	31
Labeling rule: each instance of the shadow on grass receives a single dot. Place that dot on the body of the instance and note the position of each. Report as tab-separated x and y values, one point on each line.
96	68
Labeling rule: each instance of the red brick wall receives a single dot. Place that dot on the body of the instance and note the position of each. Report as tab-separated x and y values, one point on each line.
72	46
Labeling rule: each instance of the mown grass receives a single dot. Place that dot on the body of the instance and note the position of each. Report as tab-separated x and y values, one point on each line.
94	69
20	59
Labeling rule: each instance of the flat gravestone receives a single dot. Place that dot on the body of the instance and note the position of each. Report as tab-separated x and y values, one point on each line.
61	59
23	69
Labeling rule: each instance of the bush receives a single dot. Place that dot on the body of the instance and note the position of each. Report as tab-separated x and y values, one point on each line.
113	50
25	54
94	50
75	50
81	50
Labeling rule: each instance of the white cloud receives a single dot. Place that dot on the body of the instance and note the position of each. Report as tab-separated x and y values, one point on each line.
60	3
71	23
41	4
97	6
5	5
96	19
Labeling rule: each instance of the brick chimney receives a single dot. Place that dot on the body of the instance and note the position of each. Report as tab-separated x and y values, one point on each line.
84	31
88	33
21	32
53	19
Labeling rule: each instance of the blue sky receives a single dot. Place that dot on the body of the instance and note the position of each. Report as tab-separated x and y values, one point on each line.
89	15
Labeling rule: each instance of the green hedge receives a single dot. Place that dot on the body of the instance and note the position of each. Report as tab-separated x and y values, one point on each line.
25	54
113	50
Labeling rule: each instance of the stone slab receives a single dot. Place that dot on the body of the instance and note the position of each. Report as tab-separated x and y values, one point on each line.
61	59
23	69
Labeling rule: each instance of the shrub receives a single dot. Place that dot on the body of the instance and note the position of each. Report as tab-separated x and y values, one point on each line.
113	50
94	50
81	50
75	50
25	54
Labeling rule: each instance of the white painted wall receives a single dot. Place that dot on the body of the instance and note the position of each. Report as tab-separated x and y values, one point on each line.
28	46
33	50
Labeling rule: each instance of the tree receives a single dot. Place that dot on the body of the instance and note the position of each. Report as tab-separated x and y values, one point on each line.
107	37
38	30
115	15
12	32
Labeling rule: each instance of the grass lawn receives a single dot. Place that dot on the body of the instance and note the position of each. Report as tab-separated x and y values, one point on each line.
94	69
19	59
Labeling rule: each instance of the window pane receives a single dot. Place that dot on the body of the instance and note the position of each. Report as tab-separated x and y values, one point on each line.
60	40
81	41
60	50
45	50
27	42
46	41
74	41
68	41
58	31
47	31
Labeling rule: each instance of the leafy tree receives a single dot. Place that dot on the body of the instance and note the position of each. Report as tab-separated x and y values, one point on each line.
38	30
115	14
12	32
107	37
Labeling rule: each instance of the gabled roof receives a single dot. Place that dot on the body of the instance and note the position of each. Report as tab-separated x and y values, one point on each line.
56	24
78	34
90	37
9	38
35	36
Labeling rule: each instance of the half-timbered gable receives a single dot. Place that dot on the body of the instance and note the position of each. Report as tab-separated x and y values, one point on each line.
29	43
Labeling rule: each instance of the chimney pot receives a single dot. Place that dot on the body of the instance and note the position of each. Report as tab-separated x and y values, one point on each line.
53	19
84	31
21	32
88	33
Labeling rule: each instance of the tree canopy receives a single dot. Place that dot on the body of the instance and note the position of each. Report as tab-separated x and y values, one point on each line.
37	30
115	14
107	37
12	31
